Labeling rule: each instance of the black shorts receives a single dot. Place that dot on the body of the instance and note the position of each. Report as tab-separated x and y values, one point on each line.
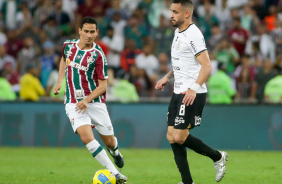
185	117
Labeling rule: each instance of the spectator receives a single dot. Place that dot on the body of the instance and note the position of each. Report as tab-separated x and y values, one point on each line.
245	77
263	75
24	23
128	56
130	5
47	60
157	7
273	90
70	7
271	18
162	36
3	37
52	29
125	91
222	13
9	11
14	44
249	19
215	37
136	31
264	41
31	87
163	70
205	22
239	36
115	6
116	45
140	79
226	54
44	10
257	6
220	90
148	62
28	55
276	35
5	58
13	77
6	92
118	24
103	24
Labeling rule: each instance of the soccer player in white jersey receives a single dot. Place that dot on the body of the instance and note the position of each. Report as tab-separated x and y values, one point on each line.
85	67
190	69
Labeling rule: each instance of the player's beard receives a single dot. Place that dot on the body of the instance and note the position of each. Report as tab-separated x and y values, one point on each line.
177	23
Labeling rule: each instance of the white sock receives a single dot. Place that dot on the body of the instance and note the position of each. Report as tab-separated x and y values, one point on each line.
114	151
101	156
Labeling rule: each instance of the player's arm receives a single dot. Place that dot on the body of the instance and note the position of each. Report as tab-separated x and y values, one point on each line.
62	66
204	60
161	83
82	105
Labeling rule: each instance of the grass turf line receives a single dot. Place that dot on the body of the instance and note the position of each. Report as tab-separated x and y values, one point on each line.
142	166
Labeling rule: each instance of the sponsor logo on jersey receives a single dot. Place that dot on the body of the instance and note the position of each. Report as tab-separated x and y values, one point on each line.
78	66
197	120
178	121
193	46
176	67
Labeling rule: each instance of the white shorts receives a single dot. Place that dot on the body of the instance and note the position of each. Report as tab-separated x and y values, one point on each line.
96	114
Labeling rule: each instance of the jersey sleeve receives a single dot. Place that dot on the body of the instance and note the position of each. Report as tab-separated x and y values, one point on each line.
101	67
63	54
197	43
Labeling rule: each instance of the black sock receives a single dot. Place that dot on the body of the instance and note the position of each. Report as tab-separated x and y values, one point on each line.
198	146
180	157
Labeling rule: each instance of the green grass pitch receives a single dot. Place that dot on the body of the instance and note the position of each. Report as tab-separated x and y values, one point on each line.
142	166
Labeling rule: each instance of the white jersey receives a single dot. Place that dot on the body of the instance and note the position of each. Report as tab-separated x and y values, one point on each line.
186	46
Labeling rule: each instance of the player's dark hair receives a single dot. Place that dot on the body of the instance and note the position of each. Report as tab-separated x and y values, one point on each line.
88	20
184	2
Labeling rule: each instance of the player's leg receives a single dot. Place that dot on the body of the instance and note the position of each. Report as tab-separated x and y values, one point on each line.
112	146
189	117
179	151
180	157
81	124
101	119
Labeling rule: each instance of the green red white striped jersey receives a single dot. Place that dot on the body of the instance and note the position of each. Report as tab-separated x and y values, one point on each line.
83	70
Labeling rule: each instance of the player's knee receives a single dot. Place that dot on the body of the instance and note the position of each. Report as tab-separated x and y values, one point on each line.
179	139
110	143
170	138
86	139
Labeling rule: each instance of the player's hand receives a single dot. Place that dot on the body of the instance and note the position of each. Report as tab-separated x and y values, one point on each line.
81	106
161	83
56	89
189	97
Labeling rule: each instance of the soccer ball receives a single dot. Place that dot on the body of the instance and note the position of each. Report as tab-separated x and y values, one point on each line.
104	176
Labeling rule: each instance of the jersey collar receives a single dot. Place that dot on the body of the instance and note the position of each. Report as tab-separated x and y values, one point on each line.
94	44
186	28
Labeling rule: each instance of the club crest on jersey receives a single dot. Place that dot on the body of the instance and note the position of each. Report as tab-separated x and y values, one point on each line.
78	56
178	45
91	59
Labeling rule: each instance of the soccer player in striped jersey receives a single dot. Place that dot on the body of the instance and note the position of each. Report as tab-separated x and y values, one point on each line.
84	66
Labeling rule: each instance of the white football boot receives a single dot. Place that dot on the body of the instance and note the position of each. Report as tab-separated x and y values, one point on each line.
220	166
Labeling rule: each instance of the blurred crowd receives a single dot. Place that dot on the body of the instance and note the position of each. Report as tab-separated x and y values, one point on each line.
243	37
